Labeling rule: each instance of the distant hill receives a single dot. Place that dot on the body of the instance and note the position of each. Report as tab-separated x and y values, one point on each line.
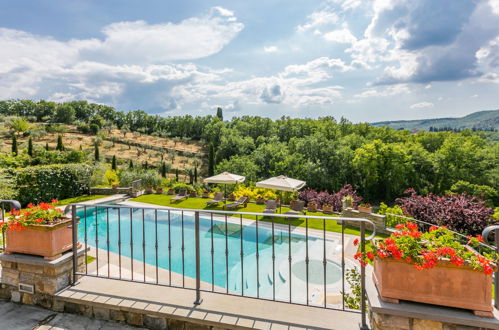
482	120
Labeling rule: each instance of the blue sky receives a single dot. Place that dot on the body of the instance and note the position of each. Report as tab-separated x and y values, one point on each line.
362	59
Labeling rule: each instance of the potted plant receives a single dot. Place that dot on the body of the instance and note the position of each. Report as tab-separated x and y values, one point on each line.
115	184
206	194
159	190
433	268
193	193
327	208
41	230
171	191
365	208
347	202
231	197
312	206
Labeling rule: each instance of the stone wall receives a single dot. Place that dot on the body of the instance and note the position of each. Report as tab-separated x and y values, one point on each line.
112	191
47	277
377	219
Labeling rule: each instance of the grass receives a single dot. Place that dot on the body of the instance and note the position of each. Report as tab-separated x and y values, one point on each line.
79	199
200	204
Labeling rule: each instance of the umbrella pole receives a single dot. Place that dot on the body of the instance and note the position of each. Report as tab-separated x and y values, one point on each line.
225	195
280	202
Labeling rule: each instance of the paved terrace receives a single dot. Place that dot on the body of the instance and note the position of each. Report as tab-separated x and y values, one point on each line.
220	311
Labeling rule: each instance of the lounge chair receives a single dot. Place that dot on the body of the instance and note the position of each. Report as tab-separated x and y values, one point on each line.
181	195
216	199
241	201
296	207
270	206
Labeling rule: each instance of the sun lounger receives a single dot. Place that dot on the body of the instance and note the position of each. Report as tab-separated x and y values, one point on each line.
270	206
296	207
216	199
181	195
240	202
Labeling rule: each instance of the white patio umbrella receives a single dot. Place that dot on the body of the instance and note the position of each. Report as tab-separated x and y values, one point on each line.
282	183
225	178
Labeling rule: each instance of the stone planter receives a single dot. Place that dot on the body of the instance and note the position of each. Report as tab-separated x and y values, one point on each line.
364	209
445	285
48	241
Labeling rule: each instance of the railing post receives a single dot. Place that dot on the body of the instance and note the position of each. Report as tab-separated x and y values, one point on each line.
198	260
363	324
75	243
496	275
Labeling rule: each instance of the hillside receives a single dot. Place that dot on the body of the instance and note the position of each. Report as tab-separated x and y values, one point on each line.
483	120
126	146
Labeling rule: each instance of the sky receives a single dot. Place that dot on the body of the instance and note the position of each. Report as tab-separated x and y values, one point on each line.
365	60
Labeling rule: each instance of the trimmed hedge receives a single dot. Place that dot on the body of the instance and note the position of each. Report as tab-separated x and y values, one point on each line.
44	183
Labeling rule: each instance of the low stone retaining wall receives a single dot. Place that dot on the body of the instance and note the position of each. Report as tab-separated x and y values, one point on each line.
112	191
377	219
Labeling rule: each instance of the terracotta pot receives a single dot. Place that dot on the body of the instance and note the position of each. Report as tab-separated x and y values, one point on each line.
445	285
115	185
260	201
193	194
48	241
312	207
231	197
171	192
364	209
206	195
159	190
148	190
327	209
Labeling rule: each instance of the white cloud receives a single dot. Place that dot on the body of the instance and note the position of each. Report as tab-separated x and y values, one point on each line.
494	4
384	91
422	105
270	49
101	70
343	36
318	19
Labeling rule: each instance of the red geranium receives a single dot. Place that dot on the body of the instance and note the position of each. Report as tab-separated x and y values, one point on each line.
43	213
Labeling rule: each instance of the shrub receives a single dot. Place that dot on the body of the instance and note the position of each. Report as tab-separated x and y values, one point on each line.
149	178
307	195
462	213
391	220
179	185
44	183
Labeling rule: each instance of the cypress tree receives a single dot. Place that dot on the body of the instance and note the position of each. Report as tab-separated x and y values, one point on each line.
131	164
96	153
47	146
195	174
60	145
113	164
14	144
211	161
176	174
163	170
30	147
220	114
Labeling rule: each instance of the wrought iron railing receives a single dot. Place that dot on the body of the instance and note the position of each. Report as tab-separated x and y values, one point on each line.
279	257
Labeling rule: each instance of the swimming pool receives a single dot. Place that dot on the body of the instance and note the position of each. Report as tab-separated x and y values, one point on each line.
132	237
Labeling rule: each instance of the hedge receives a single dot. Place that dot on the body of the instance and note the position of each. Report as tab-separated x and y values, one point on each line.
59	181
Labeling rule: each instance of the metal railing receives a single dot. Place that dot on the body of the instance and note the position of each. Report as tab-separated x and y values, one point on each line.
278	257
13	204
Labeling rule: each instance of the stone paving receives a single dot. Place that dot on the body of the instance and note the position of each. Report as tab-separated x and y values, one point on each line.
24	317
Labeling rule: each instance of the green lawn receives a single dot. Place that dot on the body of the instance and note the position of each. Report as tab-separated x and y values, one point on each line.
200	204
80	199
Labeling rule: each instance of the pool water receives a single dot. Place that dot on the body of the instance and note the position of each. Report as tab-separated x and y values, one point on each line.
226	270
